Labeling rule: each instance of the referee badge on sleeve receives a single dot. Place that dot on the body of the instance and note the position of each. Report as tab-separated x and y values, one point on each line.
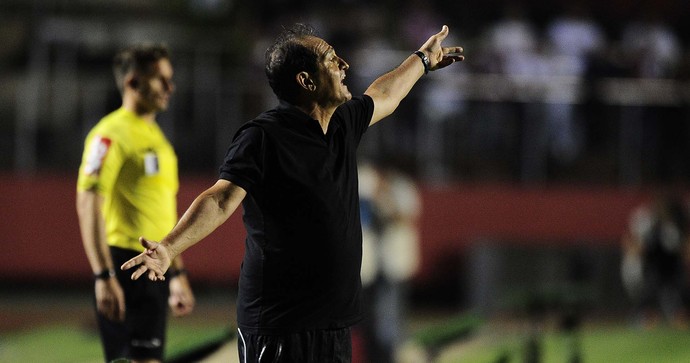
97	151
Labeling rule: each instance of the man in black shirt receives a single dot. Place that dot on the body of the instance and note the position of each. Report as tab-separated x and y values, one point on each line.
294	170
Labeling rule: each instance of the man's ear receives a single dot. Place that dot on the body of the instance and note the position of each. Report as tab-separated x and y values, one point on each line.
131	81
305	81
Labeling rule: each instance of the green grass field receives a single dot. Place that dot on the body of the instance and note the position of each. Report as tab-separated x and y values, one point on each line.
58	325
613	344
598	345
65	343
46	326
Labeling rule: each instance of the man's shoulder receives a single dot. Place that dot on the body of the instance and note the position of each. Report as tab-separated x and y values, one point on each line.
356	111
266	121
116	119
269	117
362	101
255	127
363	98
115	126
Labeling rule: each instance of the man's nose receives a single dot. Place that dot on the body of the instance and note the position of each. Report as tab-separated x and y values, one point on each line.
169	85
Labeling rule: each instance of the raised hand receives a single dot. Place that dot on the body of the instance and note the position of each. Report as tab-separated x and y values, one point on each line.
439	56
154	261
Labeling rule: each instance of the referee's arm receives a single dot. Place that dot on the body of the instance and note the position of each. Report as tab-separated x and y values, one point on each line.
92	226
109	295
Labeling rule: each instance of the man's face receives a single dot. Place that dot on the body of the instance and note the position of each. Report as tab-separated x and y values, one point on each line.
155	87
330	74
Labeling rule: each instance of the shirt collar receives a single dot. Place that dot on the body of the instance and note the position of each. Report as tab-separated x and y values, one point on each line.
298	115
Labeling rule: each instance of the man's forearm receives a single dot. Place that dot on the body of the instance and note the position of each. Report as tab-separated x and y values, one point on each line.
392	87
202	218
208	211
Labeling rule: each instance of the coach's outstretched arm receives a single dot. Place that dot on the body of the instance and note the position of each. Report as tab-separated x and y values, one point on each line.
388	90
208	211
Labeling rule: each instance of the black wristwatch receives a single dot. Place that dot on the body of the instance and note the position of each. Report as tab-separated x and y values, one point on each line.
105	274
425	60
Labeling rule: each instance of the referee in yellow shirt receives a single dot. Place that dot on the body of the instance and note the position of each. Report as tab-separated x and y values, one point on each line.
127	188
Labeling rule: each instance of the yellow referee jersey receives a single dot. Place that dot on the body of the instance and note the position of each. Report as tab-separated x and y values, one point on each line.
132	165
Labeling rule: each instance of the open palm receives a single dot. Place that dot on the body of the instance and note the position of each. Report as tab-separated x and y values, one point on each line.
153	262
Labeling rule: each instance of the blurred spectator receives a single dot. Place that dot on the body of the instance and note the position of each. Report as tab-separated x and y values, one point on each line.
653	264
552	131
652	51
390	256
511	48
572	38
652	47
510	39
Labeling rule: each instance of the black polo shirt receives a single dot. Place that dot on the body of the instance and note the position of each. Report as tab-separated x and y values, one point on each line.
304	239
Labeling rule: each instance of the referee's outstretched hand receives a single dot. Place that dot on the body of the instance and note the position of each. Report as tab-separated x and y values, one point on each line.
153	262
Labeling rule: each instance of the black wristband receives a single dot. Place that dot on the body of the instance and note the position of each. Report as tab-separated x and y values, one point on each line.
175	273
425	60
105	274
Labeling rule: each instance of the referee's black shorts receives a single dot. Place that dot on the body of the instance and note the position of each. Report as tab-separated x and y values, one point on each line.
312	346
142	334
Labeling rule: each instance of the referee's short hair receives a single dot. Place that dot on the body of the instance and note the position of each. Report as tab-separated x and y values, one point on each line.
288	56
137	58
